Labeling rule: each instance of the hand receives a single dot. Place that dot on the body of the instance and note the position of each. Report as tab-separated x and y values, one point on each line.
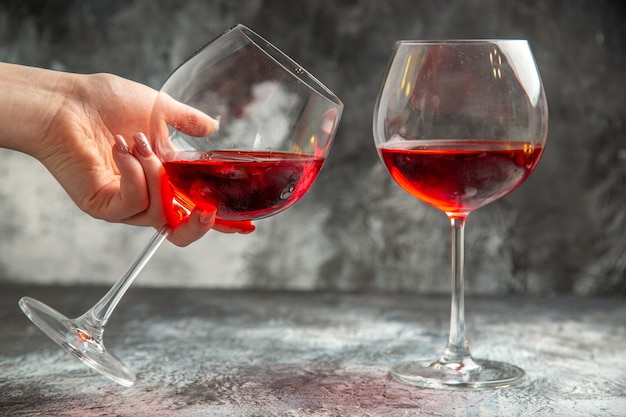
71	123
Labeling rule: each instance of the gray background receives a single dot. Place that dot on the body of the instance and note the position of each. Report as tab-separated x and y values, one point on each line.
562	232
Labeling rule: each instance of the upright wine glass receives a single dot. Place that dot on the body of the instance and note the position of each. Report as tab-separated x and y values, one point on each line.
276	126
459	124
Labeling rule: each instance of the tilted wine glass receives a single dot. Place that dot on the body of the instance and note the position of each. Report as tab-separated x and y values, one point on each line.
459	124
276	126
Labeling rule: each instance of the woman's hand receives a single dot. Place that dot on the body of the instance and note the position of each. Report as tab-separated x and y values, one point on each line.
77	126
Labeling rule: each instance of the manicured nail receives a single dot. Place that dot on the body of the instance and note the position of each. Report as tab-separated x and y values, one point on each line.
207	216
142	145
120	144
248	229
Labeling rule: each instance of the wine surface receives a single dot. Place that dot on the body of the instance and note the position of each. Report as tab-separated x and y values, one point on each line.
459	176
243	185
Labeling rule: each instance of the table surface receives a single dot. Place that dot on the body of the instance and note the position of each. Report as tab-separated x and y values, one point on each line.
256	353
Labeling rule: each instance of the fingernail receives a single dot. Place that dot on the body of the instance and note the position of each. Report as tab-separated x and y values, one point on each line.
206	216
251	228
120	144
142	146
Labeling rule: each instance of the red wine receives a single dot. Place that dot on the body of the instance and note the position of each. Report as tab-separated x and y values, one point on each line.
458	176
243	185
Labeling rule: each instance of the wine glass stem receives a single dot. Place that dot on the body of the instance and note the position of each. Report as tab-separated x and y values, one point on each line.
97	317
458	347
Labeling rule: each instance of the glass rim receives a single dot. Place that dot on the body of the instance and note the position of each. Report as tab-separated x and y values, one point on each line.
297	70
475	41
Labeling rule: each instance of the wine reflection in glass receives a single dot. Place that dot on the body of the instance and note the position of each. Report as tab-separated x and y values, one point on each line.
276	126
459	124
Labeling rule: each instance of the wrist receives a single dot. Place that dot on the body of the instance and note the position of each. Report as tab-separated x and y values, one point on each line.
32	99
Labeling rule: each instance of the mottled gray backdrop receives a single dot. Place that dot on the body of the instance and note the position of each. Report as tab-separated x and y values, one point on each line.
562	232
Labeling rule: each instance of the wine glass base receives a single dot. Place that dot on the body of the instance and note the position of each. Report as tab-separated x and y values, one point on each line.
435	374
77	340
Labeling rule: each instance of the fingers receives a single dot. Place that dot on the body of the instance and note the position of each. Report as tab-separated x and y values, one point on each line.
153	174
189	228
194	226
200	221
132	197
155	200
185	118
232	226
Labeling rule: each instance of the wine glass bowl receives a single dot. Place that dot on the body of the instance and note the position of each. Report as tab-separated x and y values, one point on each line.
459	124
276	126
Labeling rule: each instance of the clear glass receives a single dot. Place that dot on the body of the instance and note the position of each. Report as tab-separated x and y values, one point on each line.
459	124
276	127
